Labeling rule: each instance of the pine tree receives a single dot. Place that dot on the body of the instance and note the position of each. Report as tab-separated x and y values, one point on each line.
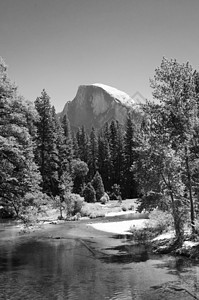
75	146
68	142
113	142
89	193
98	185
82	141
19	176
120	154
93	153
104	161
130	145
117	152
47	152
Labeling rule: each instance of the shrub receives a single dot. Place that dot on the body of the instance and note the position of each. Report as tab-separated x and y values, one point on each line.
92	210
73	204
96	214
143	235
124	208
89	193
104	199
116	194
161	220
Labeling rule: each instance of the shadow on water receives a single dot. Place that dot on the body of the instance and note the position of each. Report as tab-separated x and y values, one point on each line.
120	254
126	254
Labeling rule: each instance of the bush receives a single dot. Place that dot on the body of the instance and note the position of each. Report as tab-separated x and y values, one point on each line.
116	194
104	199
73	204
143	235
124	208
94	215
92	210
161	220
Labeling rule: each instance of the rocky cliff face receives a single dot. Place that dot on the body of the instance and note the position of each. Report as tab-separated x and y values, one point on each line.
96	104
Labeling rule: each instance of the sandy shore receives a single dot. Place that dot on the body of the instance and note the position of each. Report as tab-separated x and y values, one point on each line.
121	227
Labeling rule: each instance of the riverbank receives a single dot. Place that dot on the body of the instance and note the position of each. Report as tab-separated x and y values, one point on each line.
116	222
161	244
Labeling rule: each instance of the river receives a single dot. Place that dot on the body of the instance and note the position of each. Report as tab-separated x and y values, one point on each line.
73	261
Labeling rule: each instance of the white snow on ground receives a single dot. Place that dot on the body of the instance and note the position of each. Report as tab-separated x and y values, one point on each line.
121	227
121	96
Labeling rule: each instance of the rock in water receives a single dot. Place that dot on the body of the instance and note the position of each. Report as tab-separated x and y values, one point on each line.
96	104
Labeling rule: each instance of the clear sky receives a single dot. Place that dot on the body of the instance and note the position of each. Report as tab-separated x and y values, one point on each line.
61	44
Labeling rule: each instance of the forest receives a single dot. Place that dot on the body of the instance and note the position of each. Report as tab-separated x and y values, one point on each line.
155	160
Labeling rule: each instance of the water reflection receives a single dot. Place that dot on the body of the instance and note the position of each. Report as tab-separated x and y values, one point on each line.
56	270
127	254
67	269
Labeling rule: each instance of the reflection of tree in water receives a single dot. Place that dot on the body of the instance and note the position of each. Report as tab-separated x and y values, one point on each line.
187	274
57	269
127	254
75	269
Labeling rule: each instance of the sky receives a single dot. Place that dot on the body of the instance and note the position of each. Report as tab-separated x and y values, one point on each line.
61	44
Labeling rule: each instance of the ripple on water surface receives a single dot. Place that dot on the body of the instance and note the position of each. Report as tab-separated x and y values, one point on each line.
66	269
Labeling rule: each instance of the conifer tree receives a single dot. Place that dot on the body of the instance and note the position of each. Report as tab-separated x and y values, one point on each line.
93	153
89	193
68	142
117	152
75	146
98	185
104	160
47	152
130	145
82	140
19	176
113	142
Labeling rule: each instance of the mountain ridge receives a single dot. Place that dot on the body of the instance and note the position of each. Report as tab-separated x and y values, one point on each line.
96	104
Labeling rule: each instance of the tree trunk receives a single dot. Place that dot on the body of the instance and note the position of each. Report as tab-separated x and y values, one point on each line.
177	221
179	231
190	191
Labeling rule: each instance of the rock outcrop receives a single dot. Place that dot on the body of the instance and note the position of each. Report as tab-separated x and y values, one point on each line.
96	104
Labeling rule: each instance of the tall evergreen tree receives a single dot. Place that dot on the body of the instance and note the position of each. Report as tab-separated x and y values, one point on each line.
120	154
89	193
113	142
93	153
117	152
130	145
98	185
104	160
19	176
82	140
47	152
68	142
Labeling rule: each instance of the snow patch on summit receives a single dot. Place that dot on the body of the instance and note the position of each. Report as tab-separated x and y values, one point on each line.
123	97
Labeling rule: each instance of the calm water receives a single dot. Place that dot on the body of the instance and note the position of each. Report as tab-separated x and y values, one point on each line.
89	268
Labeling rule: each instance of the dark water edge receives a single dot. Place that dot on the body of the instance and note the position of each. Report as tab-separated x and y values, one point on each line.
74	261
